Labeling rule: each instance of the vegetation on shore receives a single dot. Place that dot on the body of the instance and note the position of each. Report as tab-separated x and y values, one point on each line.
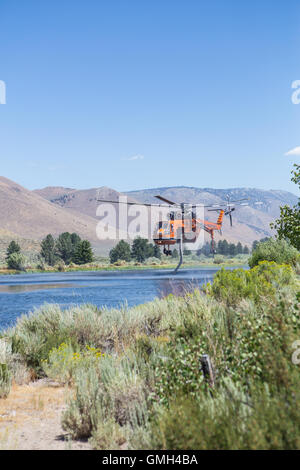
216	368
135	374
142	255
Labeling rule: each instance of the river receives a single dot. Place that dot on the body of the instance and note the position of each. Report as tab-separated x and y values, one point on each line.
23	293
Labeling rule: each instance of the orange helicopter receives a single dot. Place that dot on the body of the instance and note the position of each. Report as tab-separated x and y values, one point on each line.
184	226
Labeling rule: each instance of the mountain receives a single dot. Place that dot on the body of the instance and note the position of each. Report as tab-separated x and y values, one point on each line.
28	215
251	222
31	215
83	201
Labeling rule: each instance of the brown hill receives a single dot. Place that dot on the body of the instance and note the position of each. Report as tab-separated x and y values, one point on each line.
28	215
250	223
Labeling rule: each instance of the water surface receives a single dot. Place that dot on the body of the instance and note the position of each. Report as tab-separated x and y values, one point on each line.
23	293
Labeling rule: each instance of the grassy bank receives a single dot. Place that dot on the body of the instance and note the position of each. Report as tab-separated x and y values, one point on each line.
135	374
189	262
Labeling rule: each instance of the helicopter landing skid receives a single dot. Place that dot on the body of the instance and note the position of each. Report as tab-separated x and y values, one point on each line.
180	257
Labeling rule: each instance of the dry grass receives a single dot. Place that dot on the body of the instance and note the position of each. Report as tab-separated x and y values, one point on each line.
30	418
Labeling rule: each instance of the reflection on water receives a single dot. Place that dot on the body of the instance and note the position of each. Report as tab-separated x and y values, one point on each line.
25	292
14	288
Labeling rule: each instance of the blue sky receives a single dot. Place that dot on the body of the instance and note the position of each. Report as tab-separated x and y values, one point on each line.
138	94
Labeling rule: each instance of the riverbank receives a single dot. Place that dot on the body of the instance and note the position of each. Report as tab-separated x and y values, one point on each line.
126	266
136	373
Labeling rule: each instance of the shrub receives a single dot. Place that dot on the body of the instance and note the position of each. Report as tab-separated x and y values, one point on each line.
64	361
5	381
16	261
120	252
218	259
279	251
230	420
60	266
233	286
113	391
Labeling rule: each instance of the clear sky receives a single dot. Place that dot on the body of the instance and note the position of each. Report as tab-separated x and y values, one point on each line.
138	94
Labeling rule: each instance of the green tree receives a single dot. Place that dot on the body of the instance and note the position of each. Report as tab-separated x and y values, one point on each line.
232	249
13	247
64	247
280	251
220	247
75	239
140	249
16	261
239	248
246	250
157	252
120	252
83	253
175	253
287	226
48	250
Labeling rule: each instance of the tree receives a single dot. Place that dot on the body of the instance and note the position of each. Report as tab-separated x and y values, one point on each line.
175	253
232	249
287	226
13	247
239	248
220	247
140	249
157	252
83	253
280	251
205	250
246	250
120	252
48	250
16	261
75	239
64	247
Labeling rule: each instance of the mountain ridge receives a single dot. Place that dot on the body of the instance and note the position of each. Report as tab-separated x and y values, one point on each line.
55	209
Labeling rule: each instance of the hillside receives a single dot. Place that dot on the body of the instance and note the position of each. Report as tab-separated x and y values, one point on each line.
30	216
250	223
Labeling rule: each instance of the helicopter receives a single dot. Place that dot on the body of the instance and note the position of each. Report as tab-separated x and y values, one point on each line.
182	225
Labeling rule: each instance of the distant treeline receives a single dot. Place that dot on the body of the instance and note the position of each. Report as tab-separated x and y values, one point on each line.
67	248
140	250
223	247
226	248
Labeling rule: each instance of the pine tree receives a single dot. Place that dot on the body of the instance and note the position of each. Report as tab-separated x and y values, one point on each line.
83	253
64	247
239	248
140	249
48	250
13	247
232	249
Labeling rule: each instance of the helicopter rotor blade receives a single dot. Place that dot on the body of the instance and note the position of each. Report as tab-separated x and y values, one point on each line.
166	200
134	203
